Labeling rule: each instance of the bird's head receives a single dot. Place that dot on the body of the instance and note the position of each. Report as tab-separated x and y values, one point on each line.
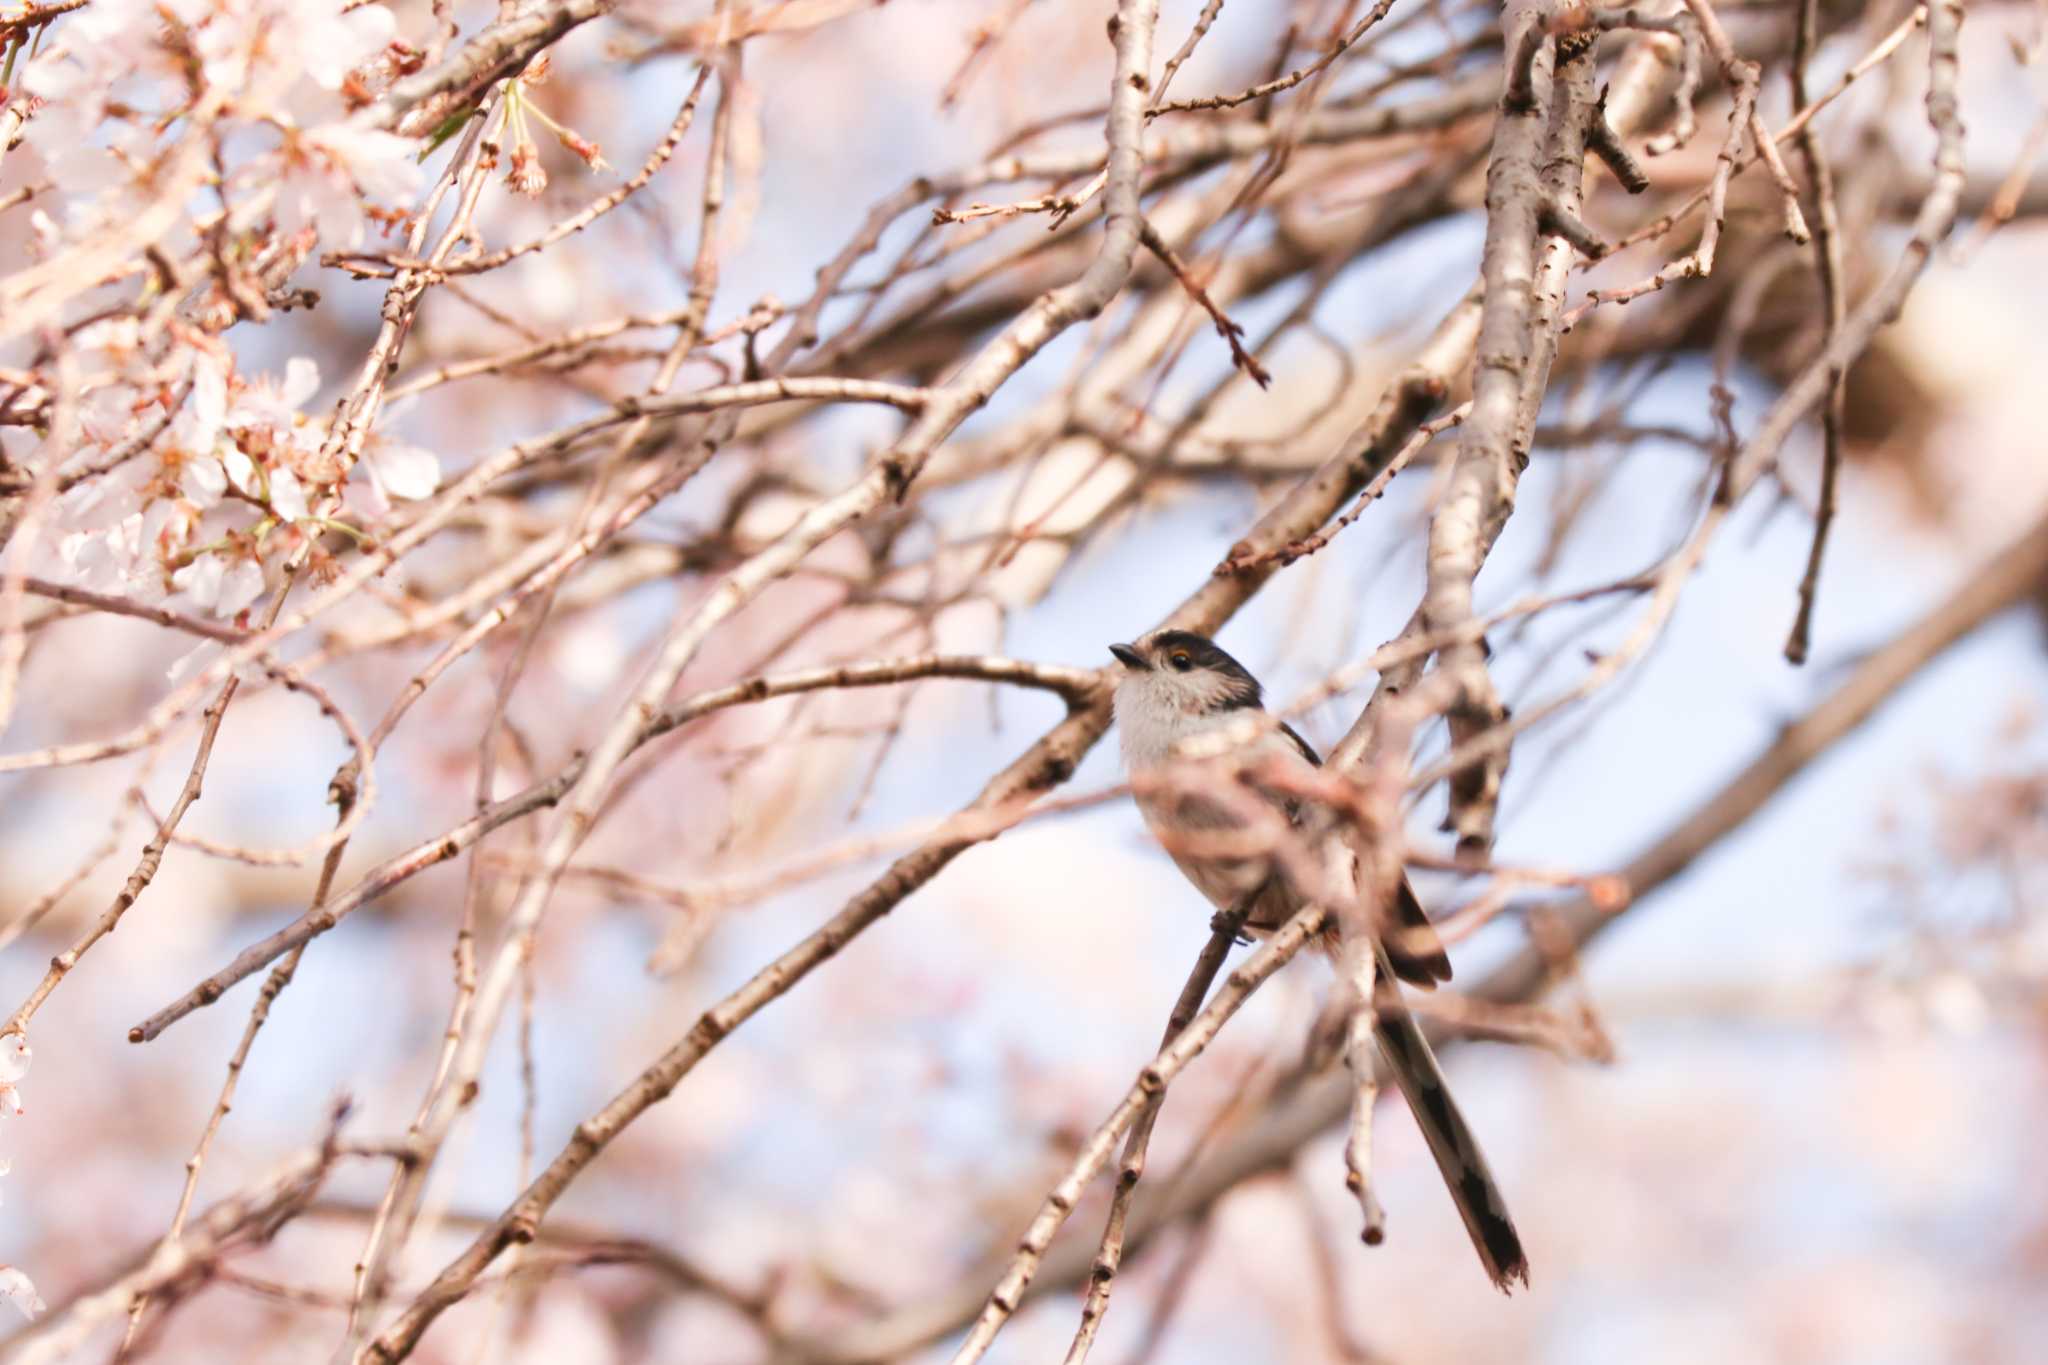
1181	672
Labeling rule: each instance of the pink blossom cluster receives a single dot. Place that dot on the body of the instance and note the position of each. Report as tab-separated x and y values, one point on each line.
227	494
273	79
167	140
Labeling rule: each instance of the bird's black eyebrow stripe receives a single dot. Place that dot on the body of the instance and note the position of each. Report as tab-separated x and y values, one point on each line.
1207	654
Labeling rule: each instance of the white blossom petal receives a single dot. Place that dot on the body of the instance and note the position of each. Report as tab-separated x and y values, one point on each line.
241	470
106	416
89	558
203	481
364	500
287	498
239	586
166	526
209	401
200	580
52	79
15	1055
403	471
332	47
17	1286
301	382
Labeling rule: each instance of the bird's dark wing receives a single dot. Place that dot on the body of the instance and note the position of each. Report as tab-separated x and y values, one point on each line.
1307	751
1411	941
1296	811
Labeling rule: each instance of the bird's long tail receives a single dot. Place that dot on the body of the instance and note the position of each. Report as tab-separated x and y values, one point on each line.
1450	1141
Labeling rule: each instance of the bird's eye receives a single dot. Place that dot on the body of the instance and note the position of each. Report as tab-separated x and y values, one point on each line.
1181	662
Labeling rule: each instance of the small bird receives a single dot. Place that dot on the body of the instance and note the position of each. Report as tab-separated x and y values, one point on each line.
1178	688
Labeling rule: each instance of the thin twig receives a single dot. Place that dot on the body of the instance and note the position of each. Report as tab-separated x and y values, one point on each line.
1827	266
1225	328
1109	1253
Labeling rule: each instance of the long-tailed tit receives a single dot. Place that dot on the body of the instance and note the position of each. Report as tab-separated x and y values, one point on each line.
1180	694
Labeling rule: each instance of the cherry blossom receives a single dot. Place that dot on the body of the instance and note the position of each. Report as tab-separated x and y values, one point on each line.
239	458
282	34
102	534
102	157
96	160
101	44
327	172
222	588
262	402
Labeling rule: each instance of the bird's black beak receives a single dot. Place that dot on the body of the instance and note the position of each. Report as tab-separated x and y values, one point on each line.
1129	657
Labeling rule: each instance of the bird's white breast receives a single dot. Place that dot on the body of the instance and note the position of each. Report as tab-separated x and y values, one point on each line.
1151	732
